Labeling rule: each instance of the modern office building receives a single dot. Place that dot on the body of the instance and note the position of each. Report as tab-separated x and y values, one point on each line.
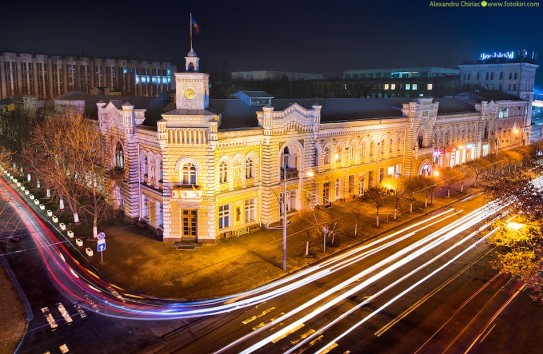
399	73
274	75
509	72
207	169
49	76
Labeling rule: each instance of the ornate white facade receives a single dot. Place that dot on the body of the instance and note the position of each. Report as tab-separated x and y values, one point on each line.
213	169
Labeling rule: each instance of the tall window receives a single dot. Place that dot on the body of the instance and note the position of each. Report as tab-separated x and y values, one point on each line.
119	156
390	145
188	174
224	216
420	139
145	165
339	151
249	173
250	210
362	150
351	152
326	155
237	171
223	172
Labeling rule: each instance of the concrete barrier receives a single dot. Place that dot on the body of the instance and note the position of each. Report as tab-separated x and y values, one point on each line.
37	202
70	234
62	226
49	213
89	252
54	218
79	242
42	207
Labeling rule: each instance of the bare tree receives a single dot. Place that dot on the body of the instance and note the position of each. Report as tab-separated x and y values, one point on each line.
317	221
53	158
396	188
478	166
378	197
68	153
5	155
450	176
414	184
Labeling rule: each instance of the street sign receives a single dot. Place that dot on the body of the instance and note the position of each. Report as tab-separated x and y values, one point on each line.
101	246
101	236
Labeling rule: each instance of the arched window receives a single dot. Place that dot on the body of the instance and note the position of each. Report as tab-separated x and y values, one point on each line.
372	148
351	152
399	144
339	151
420	139
249	172
390	145
326	155
286	155
145	166
362	148
119	156
188	174
223	172
237	171
383	147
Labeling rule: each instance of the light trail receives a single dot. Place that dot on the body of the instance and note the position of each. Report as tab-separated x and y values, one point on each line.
404	257
395	298
78	283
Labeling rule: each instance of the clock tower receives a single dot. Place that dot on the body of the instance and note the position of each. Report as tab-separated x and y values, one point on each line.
192	86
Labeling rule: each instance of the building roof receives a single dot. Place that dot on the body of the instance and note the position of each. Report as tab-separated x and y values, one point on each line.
479	96
155	105
235	114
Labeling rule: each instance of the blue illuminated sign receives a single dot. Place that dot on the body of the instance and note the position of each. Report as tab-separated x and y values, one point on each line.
497	55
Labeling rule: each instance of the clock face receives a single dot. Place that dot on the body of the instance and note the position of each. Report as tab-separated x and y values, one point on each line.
189	94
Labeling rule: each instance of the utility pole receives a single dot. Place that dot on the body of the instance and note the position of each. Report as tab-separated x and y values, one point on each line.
284	214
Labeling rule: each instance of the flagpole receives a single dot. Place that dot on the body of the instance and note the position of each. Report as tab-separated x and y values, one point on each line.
190	29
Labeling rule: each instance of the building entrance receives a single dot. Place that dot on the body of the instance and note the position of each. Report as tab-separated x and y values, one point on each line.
189	220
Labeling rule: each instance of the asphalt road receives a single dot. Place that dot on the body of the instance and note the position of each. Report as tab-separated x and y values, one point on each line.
460	308
426	288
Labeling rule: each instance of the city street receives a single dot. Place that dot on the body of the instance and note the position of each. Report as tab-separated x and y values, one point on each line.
423	287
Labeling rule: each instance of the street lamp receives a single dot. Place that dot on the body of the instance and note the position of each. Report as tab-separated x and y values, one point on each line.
284	213
434	176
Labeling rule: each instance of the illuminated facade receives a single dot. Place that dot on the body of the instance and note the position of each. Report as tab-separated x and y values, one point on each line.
48	76
509	72
217	168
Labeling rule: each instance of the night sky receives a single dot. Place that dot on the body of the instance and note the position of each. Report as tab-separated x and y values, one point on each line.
296	35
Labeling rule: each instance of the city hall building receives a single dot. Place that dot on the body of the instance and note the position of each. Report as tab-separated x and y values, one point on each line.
208	169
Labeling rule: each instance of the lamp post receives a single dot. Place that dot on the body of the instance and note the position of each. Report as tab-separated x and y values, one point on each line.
284	214
434	175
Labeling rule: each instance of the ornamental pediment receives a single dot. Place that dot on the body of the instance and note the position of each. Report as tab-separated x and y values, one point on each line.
294	118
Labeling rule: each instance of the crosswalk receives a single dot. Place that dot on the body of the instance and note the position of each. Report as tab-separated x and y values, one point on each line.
64	314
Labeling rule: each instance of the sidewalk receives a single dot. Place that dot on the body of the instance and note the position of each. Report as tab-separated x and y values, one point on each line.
140	263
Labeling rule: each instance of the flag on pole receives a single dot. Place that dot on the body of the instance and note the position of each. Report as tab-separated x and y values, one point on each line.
195	26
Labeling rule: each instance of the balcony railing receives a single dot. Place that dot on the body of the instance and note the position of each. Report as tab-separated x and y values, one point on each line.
187	192
290	173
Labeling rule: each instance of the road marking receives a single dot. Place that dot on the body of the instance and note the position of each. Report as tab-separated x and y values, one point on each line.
303	336
64	313
263	313
328	348
262	324
49	317
288	333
